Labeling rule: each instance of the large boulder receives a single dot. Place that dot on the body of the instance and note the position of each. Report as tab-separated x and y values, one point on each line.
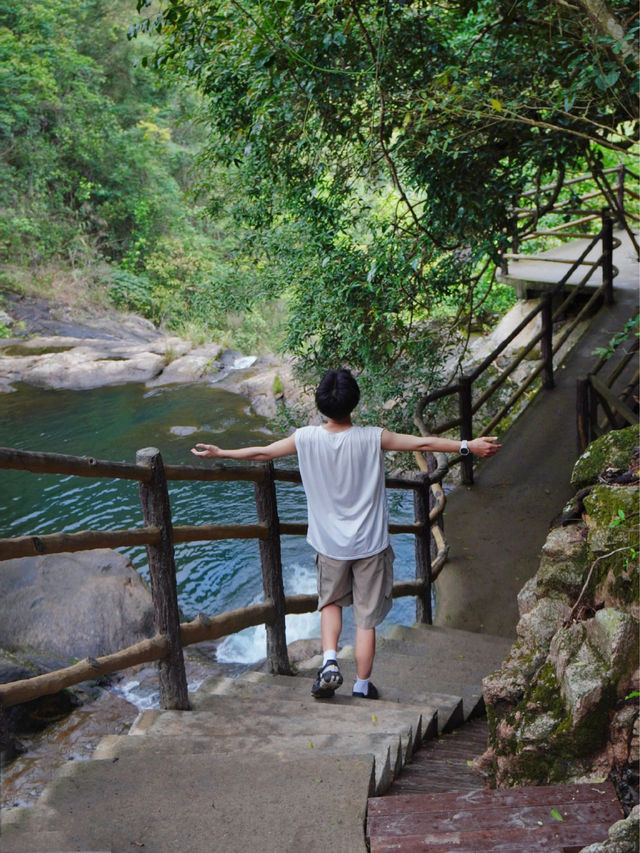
73	605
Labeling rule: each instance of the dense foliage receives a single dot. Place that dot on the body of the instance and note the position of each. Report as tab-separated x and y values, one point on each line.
379	144
354	161
96	170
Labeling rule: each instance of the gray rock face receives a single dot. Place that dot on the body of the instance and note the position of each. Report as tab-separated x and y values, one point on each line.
73	605
610	450
623	836
561	707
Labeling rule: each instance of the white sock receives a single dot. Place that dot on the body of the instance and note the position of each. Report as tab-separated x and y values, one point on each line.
330	654
361	685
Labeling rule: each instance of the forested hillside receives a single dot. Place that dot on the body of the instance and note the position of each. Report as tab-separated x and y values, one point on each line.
347	168
97	166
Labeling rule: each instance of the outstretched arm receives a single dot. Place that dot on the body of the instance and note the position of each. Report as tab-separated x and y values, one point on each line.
283	447
483	446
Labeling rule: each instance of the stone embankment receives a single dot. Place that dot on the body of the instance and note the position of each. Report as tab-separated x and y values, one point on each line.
55	347
564	705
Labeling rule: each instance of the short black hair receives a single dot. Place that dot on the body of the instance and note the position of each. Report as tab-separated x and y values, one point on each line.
338	394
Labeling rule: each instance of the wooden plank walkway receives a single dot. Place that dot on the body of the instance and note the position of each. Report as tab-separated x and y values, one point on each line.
442	764
437	804
553	819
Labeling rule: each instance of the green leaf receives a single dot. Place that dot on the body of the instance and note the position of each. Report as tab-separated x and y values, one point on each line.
555	814
496	104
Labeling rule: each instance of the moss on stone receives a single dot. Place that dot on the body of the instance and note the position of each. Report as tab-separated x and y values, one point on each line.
545	694
612	519
622	586
613	450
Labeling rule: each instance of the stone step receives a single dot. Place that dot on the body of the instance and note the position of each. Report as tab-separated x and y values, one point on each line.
422	633
409	678
448	705
388	750
231	716
445	645
200	802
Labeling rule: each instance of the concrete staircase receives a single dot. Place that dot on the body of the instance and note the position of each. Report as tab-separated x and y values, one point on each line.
258	764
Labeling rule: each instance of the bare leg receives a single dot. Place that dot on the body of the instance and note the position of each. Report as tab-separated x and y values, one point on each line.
331	625
365	651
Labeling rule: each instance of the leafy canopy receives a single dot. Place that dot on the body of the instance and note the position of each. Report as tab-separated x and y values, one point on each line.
378	145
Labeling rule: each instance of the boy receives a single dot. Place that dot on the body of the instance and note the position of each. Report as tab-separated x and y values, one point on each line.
342	469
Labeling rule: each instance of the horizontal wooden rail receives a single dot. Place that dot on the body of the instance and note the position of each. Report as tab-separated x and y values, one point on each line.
85	540
89	540
554	260
200	630
216	532
59	463
86	466
216	473
154	649
613	402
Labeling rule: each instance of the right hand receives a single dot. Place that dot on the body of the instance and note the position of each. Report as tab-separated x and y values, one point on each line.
207	451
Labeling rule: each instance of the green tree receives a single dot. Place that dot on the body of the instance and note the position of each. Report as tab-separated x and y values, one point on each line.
78	167
378	145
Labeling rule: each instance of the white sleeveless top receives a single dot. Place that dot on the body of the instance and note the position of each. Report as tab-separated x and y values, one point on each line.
343	478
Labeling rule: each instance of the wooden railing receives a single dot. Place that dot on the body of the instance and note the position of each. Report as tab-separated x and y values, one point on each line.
613	395
160	536
577	202
554	304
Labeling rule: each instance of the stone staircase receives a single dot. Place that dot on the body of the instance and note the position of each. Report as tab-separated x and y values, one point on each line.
258	764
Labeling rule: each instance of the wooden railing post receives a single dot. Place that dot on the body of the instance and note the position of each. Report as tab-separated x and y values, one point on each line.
622	170
156	511
4	733
466	426
583	388
423	549
271	562
546	342
607	255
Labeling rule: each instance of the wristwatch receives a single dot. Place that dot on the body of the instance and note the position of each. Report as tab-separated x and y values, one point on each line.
464	448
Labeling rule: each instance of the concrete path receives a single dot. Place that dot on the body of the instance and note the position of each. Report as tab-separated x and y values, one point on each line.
545	268
497	527
258	764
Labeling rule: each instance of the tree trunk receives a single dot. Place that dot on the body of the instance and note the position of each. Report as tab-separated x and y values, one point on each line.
607	24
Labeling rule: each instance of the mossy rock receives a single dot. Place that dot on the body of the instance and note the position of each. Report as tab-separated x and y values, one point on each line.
564	562
613	450
614	636
612	518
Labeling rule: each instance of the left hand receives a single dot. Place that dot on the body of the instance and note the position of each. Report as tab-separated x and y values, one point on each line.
484	445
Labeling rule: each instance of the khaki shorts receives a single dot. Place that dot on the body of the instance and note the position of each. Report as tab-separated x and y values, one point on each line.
365	583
